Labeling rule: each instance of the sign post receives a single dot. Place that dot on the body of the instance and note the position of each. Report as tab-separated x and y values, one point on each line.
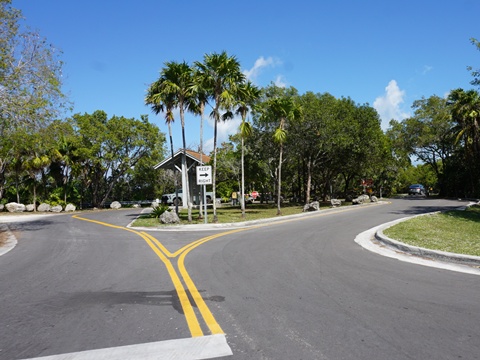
204	177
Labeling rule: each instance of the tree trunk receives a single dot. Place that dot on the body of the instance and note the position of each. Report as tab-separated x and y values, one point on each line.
186	196
214	188
279	187
200	213
242	196
34	196
309	181
173	168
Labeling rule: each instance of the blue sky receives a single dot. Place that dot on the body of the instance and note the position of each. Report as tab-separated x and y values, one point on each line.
385	53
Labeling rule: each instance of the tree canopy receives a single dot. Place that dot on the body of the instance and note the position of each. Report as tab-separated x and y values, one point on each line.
289	145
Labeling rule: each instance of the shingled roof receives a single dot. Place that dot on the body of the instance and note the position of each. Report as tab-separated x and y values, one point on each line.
194	155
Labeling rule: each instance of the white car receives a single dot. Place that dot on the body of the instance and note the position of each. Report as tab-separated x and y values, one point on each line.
171	199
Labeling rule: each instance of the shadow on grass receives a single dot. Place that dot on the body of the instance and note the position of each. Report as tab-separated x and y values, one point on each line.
472	213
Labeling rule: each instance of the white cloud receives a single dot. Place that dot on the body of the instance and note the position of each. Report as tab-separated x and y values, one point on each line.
224	130
280	81
260	64
388	105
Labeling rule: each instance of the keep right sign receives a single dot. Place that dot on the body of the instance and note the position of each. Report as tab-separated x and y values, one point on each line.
204	175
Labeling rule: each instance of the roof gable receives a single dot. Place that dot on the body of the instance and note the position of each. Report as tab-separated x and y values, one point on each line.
177	157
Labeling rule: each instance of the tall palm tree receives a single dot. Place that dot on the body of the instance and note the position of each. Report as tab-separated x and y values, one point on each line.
197	107
177	81
281	110
163	102
248	94
221	76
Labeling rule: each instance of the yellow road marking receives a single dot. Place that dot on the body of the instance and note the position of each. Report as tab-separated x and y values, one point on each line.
164	254
190	316
192	321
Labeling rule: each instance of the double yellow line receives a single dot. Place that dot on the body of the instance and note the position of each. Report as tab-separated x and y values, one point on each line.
179	255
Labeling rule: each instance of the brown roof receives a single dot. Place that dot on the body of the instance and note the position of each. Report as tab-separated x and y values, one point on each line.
196	155
190	154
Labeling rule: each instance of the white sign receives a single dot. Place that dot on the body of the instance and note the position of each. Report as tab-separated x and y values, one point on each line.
204	175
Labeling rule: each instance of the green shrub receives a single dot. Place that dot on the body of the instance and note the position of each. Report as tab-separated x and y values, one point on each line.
159	210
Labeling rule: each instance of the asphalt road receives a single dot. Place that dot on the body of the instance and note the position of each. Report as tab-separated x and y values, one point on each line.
295	289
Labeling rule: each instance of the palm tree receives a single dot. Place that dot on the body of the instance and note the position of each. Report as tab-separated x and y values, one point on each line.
465	107
466	112
163	102
177	81
221	76
248	94
281	109
197	106
36	158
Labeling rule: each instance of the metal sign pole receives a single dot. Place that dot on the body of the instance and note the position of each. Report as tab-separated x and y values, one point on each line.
205	203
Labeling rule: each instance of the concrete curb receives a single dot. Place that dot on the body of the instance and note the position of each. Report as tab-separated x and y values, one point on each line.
10	240
460	259
249	223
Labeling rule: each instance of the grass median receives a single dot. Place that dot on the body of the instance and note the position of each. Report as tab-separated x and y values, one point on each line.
230	214
454	231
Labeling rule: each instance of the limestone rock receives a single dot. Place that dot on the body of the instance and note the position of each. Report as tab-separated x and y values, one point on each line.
43	207
335	202
361	199
15	207
30	207
115	205
56	208
313	206
70	207
169	217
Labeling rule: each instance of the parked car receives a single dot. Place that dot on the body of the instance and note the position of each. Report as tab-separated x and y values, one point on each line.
171	199
416	189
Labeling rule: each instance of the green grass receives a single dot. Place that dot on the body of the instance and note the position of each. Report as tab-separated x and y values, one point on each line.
230	214
452	231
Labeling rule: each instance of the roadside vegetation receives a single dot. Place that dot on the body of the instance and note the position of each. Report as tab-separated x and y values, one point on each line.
453	231
290	145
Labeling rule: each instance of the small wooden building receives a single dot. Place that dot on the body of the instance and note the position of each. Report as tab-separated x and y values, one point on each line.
193	159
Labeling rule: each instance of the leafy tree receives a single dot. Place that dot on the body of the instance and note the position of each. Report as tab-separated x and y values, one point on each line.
30	82
220	75
281	111
228	169
466	112
475	73
64	142
427	135
314	135
465	108
111	147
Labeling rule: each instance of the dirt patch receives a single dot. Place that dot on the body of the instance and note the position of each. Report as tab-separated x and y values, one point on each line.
3	238
5	235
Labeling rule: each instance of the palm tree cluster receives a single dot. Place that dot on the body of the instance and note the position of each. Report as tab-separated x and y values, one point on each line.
217	81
